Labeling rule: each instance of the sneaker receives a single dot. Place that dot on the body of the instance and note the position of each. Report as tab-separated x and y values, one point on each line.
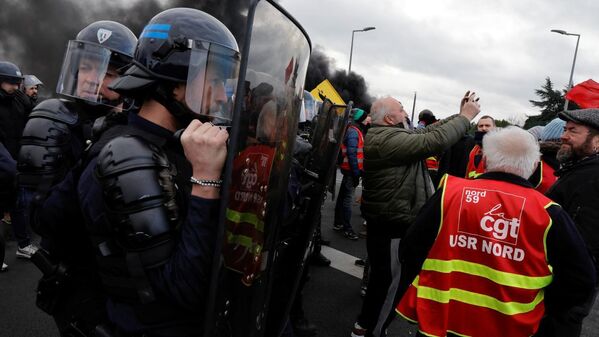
350	234
363	234
26	251
358	331
4	267
337	227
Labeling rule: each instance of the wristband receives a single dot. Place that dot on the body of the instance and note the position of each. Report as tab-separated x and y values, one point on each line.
206	182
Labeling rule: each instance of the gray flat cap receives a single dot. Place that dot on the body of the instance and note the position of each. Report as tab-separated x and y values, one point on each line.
588	117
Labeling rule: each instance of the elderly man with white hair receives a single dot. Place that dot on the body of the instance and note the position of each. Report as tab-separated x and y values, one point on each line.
492	256
396	184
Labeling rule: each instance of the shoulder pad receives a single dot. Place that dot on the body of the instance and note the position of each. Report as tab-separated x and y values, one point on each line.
54	109
127	153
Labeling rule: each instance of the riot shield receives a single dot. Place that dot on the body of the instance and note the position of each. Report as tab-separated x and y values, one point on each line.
311	172
273	67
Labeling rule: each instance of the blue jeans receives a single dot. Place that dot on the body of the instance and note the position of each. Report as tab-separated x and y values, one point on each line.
344	202
20	216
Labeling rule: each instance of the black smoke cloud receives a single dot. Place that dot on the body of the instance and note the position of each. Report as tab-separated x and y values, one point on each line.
35	32
351	87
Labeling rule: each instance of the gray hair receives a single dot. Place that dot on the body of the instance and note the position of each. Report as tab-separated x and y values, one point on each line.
511	150
379	109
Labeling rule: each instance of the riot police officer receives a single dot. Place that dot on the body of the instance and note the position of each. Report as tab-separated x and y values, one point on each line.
149	200
55	134
53	140
13	110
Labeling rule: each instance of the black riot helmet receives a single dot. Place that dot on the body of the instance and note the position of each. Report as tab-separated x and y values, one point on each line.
100	53
10	73
185	46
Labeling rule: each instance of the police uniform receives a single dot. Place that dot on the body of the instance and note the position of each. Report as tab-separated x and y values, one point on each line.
151	239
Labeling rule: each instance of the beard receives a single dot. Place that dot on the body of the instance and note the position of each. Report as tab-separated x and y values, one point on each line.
569	152
564	154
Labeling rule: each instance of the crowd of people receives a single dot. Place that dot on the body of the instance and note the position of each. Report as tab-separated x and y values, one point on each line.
499	225
505	233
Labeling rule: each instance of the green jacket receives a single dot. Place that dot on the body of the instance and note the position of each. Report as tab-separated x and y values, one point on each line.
396	182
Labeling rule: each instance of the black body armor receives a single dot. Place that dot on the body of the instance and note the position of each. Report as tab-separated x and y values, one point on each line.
46	143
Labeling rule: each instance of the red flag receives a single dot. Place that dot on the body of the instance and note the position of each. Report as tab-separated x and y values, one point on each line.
585	94
289	70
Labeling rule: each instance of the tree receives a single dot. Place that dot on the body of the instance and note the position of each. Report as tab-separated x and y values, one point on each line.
552	102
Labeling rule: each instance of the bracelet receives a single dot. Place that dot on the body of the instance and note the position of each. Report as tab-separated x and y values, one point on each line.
206	182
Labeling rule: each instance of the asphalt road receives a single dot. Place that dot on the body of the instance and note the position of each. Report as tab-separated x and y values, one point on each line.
331	297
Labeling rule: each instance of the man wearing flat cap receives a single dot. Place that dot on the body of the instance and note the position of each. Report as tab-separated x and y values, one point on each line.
577	191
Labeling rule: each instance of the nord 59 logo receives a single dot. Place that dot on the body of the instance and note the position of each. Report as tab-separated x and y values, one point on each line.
491	214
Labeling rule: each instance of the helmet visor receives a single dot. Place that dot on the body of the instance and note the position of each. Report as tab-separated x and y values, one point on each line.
212	81
87	71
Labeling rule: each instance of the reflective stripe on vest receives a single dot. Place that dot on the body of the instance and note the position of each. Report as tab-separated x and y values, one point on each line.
472	170
547	177
360	152
483	264
432	163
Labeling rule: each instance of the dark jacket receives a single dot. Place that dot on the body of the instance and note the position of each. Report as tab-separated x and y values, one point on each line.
8	170
577	190
14	110
181	283
455	160
396	181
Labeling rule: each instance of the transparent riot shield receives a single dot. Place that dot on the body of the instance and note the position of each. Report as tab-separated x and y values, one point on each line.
254	199
309	177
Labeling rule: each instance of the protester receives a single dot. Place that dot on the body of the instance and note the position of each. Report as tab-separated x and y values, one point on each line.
426	118
544	175
476	163
395	186
491	256
352	166
576	190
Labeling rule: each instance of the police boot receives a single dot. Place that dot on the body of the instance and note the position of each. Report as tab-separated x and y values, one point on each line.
303	328
319	260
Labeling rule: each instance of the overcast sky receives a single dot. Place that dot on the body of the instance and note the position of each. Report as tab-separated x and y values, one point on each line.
503	50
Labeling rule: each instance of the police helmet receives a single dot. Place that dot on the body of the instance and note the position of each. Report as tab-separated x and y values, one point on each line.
31	81
190	47
100	52
10	73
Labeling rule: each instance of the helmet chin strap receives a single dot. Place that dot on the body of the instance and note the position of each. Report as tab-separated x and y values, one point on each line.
163	94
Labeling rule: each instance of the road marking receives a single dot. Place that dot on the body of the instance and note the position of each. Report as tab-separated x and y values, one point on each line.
343	261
